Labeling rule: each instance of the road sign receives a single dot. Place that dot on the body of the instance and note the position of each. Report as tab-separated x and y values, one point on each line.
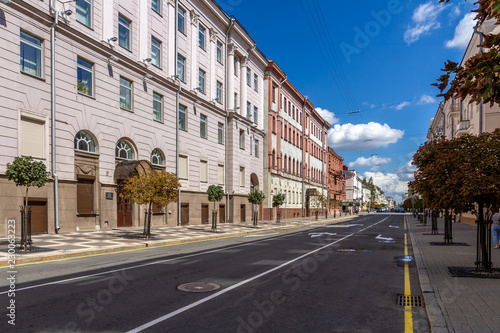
272	192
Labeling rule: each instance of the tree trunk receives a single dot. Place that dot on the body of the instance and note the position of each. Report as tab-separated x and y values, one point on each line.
434	222
483	250
448	237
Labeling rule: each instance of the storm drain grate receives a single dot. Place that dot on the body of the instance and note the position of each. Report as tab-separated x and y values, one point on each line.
198	287
408	300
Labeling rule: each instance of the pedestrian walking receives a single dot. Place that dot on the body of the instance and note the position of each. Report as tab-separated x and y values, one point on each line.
495	227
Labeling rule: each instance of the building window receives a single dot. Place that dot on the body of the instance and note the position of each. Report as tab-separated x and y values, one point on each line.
155	52
235	66
203	171
242	176
181	67
123	32
31	55
85	194
203	126
84	12
156	157
235	101
219	52
256	82
274	93
256	148
220	133
32	138
125	94
242	139
124	151
84	76
84	142
182	117
181	21
218	96
249	75
255	115
220	174
249	108
183	167
201	81
157	107
201	37
156	6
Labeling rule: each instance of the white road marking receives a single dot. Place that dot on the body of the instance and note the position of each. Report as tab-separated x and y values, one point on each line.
384	238
262	235
319	234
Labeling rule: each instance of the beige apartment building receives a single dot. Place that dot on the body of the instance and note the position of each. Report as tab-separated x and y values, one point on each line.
99	90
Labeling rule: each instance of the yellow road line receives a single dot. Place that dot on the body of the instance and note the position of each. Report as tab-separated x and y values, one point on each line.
408	311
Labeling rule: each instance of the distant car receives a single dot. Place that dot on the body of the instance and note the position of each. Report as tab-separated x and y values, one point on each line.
379	210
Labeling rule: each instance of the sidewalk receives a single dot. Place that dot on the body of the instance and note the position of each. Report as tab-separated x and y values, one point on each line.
454	304
75	244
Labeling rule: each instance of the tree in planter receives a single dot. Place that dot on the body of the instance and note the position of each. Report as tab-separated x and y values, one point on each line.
215	194
25	172
157	187
255	198
278	200
322	201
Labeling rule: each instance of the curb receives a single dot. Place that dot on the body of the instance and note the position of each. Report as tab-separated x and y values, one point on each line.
434	312
155	244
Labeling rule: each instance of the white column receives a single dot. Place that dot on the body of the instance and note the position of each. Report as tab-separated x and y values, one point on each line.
243	86
172	57
144	50
213	59
194	49
230	76
107	20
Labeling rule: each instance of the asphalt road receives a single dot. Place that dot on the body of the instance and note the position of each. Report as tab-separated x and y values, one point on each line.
328	278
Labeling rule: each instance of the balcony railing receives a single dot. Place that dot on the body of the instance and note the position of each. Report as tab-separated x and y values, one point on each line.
455	108
464	125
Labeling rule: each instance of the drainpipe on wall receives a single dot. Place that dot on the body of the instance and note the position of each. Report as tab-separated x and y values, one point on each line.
53	113
303	161
231	24
177	101
476	30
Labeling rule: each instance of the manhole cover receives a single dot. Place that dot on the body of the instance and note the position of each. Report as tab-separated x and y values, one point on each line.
198	287
408	300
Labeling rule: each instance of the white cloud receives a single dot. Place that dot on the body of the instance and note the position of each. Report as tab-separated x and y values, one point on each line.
426	99
425	19
390	183
350	137
328	116
402	105
463	32
370	161
371	106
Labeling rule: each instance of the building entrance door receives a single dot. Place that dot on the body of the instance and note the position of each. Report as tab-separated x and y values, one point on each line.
124	209
204	214
184	214
38	216
242	213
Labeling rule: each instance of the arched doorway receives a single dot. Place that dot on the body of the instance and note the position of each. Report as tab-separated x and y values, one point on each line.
123	171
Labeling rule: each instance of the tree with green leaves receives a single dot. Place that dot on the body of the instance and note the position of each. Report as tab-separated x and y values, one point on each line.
215	194
155	188
24	171
323	202
255	198
278	200
478	77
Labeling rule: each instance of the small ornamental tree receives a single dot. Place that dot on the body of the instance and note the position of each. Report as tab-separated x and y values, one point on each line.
24	171
157	187
323	202
255	198
278	200
215	193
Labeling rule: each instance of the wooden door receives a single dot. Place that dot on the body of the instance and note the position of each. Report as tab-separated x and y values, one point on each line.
222	214
184	214
204	214
242	213
124	209
38	216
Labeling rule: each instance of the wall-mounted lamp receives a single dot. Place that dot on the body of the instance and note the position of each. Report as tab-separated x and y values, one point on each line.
112	39
197	88
67	12
113	58
147	60
147	76
175	77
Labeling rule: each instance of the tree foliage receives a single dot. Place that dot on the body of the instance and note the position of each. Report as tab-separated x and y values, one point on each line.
156	187
256	197
24	171
215	193
478	77
278	200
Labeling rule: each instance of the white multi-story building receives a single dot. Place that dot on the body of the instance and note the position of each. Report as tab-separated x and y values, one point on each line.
173	85
354	187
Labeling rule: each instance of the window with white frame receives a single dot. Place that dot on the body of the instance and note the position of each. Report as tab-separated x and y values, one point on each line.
156	6
31	54
84	142
32	137
181	67
124	151
157	107
182	117
84	76
255	115
219	51
84	12
256	82
249	75
203	126
201	80
220	133
181	20
155	52
256	148
249	110
124	32
242	139
203	171
218	96
125	94
183	167
156	157
201	36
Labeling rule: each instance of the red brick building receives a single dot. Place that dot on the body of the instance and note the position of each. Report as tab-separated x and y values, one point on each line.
336	181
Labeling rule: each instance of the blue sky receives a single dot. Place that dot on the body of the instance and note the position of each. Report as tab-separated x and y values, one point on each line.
375	57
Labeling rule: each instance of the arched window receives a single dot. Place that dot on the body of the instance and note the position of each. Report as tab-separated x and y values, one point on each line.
293	169
284	166
286	128
289	164
124	150
156	157
84	142
274	159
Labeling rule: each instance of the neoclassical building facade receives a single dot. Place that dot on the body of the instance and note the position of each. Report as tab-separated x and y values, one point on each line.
100	90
